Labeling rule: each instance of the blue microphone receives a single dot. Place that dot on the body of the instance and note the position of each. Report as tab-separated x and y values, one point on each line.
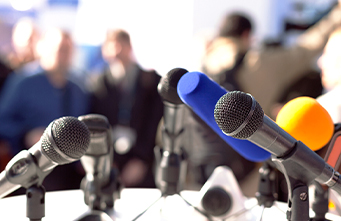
201	94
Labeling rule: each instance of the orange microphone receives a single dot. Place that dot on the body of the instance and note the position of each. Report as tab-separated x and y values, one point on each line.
306	120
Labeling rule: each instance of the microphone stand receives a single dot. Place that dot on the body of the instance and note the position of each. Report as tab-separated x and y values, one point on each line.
170	166
35	202
171	159
31	178
266	194
298	193
171	170
98	196
95	195
168	174
267	185
321	202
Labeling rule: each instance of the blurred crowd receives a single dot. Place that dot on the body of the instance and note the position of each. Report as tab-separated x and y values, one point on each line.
39	84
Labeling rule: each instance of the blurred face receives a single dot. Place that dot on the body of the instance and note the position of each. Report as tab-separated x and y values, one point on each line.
330	62
64	52
111	50
56	51
24	38
114	49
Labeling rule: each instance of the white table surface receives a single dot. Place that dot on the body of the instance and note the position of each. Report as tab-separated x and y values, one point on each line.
69	205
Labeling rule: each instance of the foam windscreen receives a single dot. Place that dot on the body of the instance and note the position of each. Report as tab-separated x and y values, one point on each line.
306	120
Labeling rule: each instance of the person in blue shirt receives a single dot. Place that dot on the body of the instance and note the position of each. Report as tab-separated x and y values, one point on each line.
35	101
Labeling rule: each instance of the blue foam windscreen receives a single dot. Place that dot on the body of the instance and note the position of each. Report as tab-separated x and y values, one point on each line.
201	94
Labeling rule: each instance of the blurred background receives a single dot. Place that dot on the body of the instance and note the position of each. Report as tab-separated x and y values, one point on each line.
164	34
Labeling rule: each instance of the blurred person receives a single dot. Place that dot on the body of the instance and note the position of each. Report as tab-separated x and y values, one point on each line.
5	71
25	37
23	59
230	60
35	101
265	73
127	95
330	64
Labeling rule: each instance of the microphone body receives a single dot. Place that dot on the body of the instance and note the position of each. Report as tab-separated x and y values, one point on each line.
201	94
306	120
100	180
65	140
169	173
173	126
239	115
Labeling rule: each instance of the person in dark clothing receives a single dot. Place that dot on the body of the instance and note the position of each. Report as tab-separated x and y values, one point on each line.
127	95
5	71
35	101
264	72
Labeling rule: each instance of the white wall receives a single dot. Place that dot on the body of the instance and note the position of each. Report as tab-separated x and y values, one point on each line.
163	32
267	15
160	30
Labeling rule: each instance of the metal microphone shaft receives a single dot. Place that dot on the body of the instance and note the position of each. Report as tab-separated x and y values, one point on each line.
168	175
100	181
239	115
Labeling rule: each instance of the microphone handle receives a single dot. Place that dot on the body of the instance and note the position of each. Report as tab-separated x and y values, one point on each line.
173	126
99	167
335	182
299	161
18	171
305	165
24	170
6	187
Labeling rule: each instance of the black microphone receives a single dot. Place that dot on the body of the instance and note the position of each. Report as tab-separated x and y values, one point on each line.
65	140
100	181
168	174
239	115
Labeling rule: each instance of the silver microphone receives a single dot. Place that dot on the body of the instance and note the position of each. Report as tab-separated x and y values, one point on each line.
65	140
169	173
240	116
100	181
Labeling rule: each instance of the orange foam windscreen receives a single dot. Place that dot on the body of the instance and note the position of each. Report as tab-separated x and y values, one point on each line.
306	120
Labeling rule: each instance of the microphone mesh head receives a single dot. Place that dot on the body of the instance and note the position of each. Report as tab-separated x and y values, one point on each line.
100	134
232	111
69	136
167	87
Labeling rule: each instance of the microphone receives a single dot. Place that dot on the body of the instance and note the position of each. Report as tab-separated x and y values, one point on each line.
201	94
333	154
168	175
239	115
333	158
306	120
100	181
65	140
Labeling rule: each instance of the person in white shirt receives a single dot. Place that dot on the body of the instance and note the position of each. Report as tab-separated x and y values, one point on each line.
330	64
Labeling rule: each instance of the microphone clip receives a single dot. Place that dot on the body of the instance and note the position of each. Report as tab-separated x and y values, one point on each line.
101	197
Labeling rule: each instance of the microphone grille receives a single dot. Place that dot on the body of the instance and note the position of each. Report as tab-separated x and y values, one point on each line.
232	114
167	87
70	137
